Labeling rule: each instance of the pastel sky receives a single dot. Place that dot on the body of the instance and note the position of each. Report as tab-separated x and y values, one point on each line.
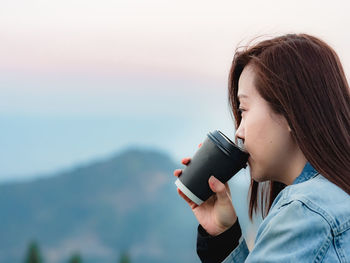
81	80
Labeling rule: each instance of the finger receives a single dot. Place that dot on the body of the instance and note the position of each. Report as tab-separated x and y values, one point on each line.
192	204
177	172
186	160
189	201
228	189
219	188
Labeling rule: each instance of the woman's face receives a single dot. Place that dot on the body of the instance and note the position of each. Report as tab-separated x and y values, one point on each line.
266	135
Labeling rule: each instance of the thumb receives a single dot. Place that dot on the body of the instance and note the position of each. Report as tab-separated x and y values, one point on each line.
219	188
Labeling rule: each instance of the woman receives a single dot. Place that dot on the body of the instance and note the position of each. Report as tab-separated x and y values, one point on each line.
291	103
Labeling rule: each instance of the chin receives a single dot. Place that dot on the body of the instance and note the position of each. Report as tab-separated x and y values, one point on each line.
260	180
258	175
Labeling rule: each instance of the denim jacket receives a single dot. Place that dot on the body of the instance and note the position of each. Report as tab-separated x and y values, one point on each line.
309	221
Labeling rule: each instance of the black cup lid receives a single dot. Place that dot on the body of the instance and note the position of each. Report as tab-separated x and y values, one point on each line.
225	144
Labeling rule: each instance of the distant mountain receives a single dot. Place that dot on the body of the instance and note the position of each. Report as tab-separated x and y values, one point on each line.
126	203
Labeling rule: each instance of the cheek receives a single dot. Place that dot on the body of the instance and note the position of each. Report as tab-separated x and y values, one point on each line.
263	139
257	133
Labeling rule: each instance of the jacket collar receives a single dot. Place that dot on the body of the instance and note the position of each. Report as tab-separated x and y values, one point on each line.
307	173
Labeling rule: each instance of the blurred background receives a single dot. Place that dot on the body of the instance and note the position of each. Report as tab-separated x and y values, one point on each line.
100	100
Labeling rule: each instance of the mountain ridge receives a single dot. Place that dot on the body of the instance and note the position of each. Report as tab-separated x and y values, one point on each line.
127	201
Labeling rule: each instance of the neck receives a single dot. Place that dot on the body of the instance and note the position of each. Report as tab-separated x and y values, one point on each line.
294	168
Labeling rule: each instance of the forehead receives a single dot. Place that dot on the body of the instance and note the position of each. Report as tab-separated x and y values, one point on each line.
246	86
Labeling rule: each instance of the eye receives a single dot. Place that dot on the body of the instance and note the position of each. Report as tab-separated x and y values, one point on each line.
240	111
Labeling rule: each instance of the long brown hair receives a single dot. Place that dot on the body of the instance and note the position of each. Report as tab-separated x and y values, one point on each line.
301	78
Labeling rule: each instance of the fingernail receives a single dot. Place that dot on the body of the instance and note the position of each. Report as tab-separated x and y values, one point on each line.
185	160
212	181
212	178
177	172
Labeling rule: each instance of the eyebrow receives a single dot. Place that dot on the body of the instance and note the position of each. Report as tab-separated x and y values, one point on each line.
240	96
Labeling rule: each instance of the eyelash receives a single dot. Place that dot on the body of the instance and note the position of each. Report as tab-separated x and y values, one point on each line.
240	110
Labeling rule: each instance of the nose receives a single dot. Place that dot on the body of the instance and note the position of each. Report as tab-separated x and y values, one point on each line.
239	136
240	132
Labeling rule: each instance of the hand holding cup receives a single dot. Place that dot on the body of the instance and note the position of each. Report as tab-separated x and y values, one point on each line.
216	214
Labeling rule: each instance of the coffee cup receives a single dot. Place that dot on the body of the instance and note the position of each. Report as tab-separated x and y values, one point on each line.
217	156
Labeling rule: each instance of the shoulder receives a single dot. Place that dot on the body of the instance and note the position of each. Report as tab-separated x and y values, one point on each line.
294	232
321	199
295	215
308	222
